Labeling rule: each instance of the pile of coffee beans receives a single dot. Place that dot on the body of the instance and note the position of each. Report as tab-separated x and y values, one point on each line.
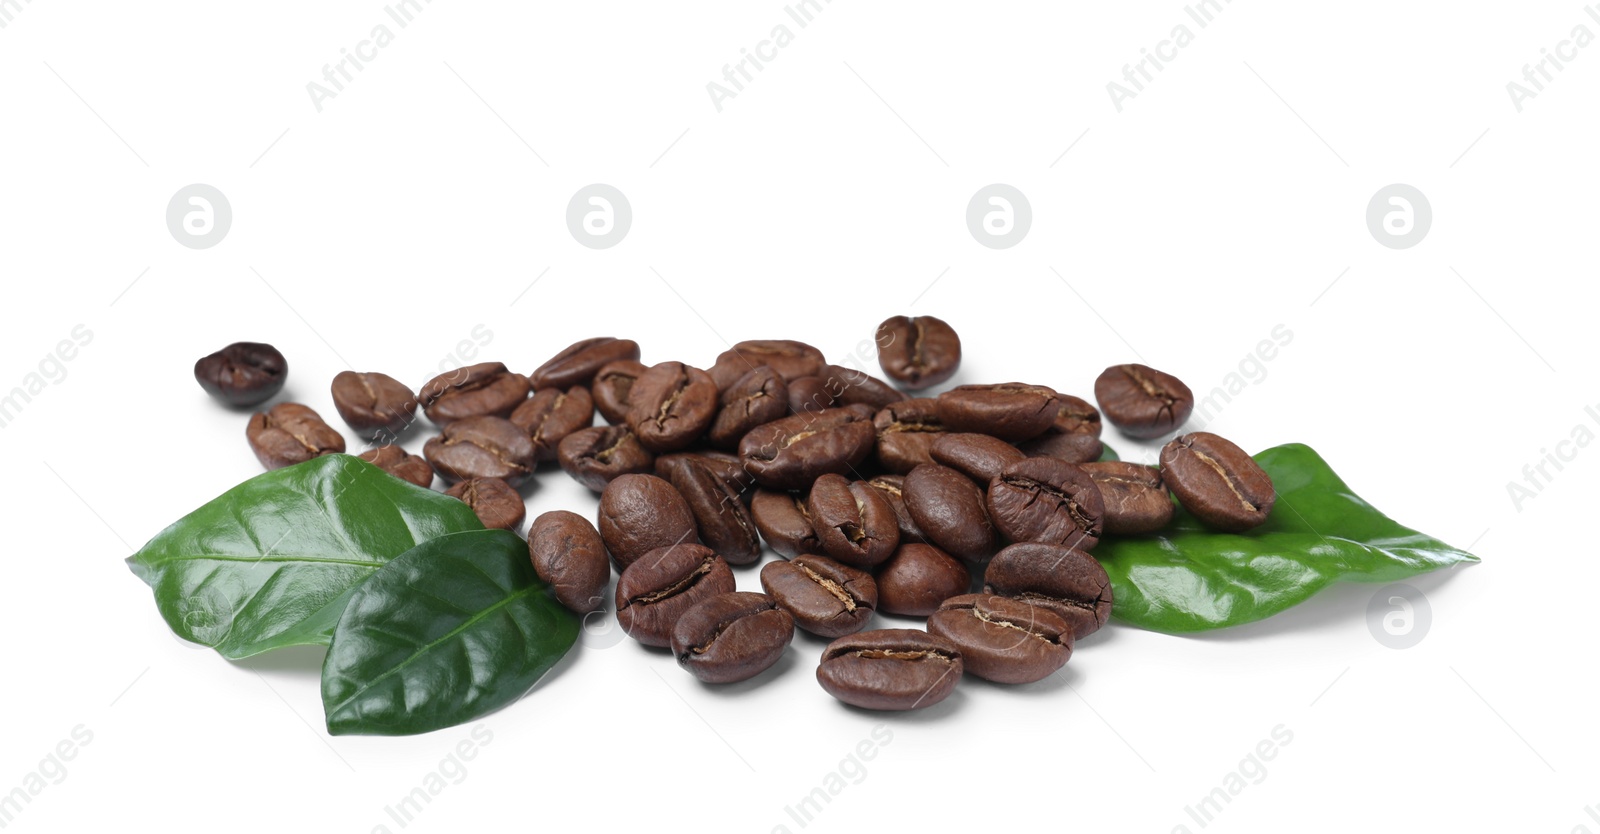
977	509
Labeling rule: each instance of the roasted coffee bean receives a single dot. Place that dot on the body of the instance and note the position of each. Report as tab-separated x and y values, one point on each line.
1003	640
854	524
568	554
852	387
792	452
290	433
481	447
906	433
1217	481
1047	500
948	508
595	456
918	351
401	464
1071	448
918	578
785	522
892	487
376	405
1065	580
890	669
661	585
578	363
1141	401
612	386
551	415
1136	500
727	467
758	397
486	389
977	456
826	598
789	358
809	395
1011	411
732	637
495	503
243	373
640	513
723	521
671	405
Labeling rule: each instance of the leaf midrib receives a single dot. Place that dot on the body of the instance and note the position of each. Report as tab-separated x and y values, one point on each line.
219	557
397	668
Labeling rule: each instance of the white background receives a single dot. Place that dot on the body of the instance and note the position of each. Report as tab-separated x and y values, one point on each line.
420	202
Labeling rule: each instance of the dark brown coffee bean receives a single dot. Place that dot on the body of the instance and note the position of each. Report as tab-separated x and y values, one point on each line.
792	452
732	637
1136	500
578	363
551	415
1071	448
723	520
1141	401
1003	640
661	585
401	464
481	447
568	554
1065	580
890	669
486	389
854	524
758	397
493	501
809	395
671	405
1047	500
640	513
918	578
784	522
595	456
977	456
243	373
948	508
906	433
1217	481
290	433
826	598
849	386
376	405
789	358
892	487
727	467
918	351
1011	411
612	386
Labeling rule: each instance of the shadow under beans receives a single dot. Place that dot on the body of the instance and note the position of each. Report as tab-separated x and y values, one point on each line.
785	663
300	662
1342	603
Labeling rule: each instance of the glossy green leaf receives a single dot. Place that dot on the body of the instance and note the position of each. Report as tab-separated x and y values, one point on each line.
271	562
1190	578
453	629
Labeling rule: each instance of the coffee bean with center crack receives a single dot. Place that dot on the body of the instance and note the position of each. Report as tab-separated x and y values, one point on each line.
596	456
494	502
1003	640
890	669
661	585
578	363
825	597
1047	500
1217	481
481	447
1136	499
854	524
401	464
290	433
1065	580
732	637
1141	401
